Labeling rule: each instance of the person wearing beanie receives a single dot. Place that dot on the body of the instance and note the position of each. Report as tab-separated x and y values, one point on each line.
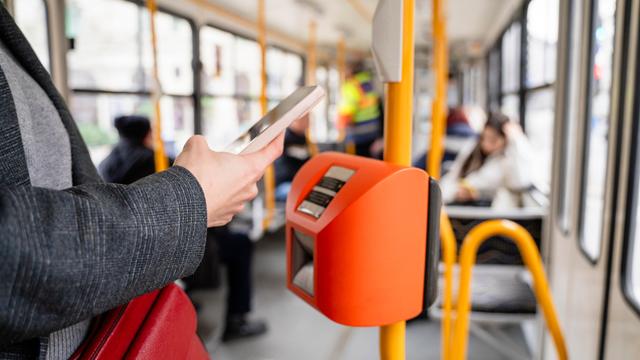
132	157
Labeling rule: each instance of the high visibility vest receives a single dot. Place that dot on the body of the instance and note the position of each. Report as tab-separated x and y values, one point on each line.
360	107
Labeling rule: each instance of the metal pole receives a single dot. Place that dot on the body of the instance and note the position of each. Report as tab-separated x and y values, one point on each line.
397	149
160	157
269	175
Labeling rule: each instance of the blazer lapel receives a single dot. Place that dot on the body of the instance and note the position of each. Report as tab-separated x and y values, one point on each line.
83	169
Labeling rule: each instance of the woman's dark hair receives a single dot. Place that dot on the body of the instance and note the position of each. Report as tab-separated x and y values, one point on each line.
496	121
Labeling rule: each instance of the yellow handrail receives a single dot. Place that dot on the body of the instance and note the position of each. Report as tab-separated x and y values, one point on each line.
269	175
397	140
160	156
531	258
449	253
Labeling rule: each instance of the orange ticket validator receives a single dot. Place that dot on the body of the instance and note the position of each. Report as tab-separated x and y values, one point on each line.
362	239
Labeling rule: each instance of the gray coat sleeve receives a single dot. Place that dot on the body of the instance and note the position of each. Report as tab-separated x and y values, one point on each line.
66	256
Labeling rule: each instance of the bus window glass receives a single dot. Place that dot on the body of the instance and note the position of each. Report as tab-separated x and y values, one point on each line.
511	58
224	116
175	53
597	128
539	128
104	56
493	78
542	38
247	62
31	17
511	107
216	55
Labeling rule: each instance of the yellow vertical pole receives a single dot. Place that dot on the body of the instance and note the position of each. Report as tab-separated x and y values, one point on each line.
341	62
310	79
160	157
441	71
397	149
436	151
269	175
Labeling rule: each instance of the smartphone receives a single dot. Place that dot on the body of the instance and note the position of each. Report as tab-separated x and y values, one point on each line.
261	133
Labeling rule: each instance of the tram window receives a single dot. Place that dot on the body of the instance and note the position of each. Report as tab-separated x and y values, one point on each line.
597	128
231	82
542	38
539	128
31	17
105	56
511	42
511	106
284	72
110	70
119	58
216	55
223	116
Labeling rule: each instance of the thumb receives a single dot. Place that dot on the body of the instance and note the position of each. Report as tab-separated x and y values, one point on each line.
267	155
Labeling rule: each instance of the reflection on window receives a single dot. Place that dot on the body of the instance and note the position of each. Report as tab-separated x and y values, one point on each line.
119	58
542	37
597	128
511	58
539	128
31	17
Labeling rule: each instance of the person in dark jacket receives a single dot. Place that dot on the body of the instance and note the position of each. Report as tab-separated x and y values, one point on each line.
132	157
74	247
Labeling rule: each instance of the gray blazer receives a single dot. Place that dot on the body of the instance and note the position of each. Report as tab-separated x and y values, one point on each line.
66	256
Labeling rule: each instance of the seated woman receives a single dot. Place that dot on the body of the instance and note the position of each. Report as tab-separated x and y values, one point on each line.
499	161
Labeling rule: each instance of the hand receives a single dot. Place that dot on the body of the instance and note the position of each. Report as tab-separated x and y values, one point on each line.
228	181
511	129
464	194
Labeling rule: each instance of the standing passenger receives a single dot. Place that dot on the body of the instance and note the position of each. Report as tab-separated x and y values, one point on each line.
359	111
132	158
74	247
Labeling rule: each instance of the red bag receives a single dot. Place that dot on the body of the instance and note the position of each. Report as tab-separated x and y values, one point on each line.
157	325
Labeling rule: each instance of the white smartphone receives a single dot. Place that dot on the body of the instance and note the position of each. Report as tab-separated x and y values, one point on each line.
260	134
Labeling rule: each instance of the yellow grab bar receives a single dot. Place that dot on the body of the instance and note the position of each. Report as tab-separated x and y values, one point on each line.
311	80
397	150
159	155
449	252
531	258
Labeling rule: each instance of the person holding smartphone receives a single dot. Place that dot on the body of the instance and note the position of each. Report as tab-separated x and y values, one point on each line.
73	246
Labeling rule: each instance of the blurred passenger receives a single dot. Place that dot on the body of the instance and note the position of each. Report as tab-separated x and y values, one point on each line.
132	157
74	247
296	153
459	135
360	114
498	162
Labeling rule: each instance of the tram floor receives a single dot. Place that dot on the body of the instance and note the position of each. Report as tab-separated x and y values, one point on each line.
297	331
